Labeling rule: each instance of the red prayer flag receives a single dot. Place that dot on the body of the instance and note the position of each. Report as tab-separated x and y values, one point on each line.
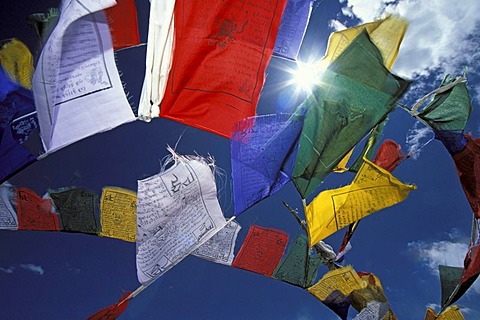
222	49
112	312
123	24
262	250
34	213
471	264
389	155
467	162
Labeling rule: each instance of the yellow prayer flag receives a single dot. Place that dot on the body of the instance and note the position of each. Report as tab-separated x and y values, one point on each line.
342	165
118	213
387	34
344	280
451	313
17	62
373	189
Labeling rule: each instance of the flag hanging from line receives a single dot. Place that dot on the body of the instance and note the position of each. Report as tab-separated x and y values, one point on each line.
33	212
118	213
123	25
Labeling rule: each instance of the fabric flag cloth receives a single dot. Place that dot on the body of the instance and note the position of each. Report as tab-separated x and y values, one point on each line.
451	313
292	28
355	93
376	311
158	59
467	163
33	212
334	287
262	250
220	248
372	189
76	84
112	312
123	25
118	213
263	151
15	103
17	61
8	215
222	49
370	145
389	156
387	35
177	212
449	279
76	207
342	165
43	23
298	267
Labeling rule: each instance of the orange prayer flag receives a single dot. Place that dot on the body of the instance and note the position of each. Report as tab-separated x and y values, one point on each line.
33	212
389	156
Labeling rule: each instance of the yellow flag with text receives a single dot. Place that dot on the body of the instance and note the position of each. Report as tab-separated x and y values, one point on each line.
118	216
372	189
451	313
17	61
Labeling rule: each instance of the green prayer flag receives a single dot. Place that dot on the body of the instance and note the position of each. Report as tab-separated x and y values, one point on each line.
449	279
369	147
294	268
355	93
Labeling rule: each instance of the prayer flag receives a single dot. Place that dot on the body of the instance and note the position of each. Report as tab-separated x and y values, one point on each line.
118	213
389	156
17	62
372	189
376	311
369	146
355	93
449	279
298	267
222	49
292	28
177	212
76	85
263	151
220	248
123	25
262	250
33	212
8	216
43	23
112	312
77	209
451	313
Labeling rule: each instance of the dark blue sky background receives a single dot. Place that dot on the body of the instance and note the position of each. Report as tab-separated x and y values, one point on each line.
82	274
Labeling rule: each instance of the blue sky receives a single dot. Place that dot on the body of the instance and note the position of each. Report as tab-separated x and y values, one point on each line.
53	275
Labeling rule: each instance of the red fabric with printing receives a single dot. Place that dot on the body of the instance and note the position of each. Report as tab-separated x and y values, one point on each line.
33	212
123	24
389	156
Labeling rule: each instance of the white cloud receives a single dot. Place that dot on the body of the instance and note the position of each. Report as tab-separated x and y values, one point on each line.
33	268
417	138
8	269
441	37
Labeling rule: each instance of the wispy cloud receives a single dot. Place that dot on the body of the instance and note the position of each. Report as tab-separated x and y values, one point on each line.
417	138
33	268
10	269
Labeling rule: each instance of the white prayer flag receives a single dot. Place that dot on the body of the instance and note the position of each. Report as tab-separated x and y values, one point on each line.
177	211
8	216
76	84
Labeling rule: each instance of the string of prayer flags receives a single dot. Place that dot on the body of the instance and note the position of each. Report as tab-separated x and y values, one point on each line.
218	67
158	58
220	248
14	104
8	215
373	189
389	156
449	279
355	93
33	212
262	250
263	151
122	21
112	312
298	267
118	213
292	28
76	207
76	84
17	61
387	35
177	212
451	313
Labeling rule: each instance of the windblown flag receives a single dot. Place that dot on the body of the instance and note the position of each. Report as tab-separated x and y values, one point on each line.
370	145
76	207
449	279
298	267
372	189
33	212
118	213
8	216
262	250
292	28
43	23
222	49
389	156
451	313
177	212
123	25
112	312
76	85
355	93
17	62
263	151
